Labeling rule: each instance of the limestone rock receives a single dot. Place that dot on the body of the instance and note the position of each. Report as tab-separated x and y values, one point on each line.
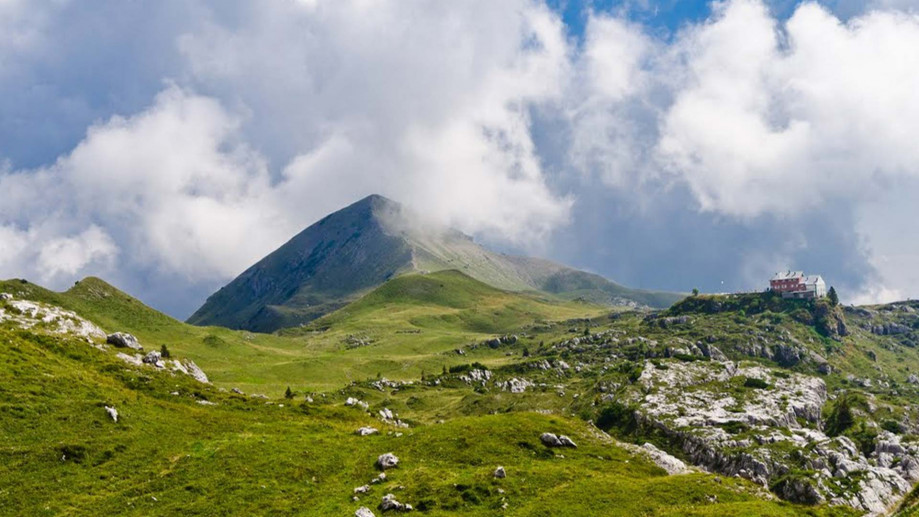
123	340
500	473
154	358
665	461
366	431
551	440
363	511
387	461
112	412
390	503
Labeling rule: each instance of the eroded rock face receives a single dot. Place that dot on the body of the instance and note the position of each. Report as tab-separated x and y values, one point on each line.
747	429
123	340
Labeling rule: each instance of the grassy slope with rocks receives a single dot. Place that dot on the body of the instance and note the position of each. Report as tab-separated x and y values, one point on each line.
169	453
579	363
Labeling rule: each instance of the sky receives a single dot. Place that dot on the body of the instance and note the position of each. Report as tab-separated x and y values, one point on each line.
166	146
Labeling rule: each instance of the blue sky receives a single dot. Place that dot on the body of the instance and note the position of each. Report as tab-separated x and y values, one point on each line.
166	146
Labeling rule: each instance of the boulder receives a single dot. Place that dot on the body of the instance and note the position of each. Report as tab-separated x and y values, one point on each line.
551	440
123	340
500	473
5	297
387	461
366	431
362	489
154	358
112	412
195	372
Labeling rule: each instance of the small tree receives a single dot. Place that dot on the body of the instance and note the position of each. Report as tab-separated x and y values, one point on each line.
695	291
526	351
288	394
834	298
165	352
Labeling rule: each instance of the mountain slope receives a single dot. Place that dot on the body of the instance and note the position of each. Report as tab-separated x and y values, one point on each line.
179	446
349	252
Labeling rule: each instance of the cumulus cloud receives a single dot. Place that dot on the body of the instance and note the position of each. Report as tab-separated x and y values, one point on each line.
758	117
275	118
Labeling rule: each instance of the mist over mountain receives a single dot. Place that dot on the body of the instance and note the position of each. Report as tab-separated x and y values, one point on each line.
349	252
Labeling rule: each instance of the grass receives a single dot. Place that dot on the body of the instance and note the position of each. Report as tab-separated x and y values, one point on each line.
60	453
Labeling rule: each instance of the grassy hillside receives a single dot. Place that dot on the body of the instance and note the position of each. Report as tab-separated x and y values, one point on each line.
410	325
168	453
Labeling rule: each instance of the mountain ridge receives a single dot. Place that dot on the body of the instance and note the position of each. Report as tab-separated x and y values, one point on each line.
347	253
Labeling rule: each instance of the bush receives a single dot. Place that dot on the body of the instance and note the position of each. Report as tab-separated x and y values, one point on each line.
892	426
753	382
841	418
618	416
165	352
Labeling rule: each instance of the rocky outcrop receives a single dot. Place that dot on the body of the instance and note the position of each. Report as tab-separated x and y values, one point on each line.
188	367
515	385
476	376
366	431
49	318
748	433
665	461
889	329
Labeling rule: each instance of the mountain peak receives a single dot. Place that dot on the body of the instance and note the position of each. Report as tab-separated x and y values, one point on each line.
356	249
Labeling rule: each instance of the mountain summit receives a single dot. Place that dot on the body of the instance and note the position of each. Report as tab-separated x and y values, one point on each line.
348	253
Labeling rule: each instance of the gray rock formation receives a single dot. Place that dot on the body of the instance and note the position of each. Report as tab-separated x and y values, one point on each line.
500	473
366	431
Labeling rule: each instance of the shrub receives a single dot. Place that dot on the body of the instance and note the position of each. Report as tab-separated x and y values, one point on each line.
753	382
164	351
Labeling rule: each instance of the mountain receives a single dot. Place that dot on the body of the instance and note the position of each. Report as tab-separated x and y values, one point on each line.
348	253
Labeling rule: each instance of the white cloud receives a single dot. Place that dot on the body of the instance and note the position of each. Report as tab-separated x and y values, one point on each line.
424	102
68	255
758	117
